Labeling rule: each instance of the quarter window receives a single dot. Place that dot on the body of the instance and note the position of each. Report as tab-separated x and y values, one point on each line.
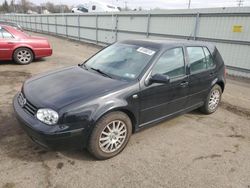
209	59
171	63
197	59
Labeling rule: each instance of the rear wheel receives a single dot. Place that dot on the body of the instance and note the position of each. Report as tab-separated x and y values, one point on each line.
213	100
110	135
23	56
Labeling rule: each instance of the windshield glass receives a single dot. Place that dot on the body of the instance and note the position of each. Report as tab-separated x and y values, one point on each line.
124	61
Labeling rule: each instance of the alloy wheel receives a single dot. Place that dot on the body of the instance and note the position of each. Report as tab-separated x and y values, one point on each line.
24	56
113	136
214	99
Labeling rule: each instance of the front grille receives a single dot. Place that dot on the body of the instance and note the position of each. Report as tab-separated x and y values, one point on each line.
30	108
26	105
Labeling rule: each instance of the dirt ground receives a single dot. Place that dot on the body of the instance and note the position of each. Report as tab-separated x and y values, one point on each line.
193	150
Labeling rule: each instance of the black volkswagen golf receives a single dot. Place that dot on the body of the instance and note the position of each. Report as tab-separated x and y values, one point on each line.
123	88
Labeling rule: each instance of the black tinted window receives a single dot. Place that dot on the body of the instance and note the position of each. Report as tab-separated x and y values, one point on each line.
209	59
93	7
83	9
171	63
197	59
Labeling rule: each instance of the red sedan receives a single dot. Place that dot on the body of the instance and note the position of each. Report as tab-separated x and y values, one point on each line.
21	47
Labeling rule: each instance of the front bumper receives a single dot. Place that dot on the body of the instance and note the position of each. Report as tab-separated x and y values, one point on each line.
55	137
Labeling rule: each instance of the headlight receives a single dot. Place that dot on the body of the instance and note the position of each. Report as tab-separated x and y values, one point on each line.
47	116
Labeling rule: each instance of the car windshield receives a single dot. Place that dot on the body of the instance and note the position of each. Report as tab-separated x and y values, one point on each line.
123	61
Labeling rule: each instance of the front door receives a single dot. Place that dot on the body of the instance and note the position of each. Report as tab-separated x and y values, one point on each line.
7	42
158	101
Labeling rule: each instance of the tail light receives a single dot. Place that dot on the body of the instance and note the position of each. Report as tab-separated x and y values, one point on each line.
225	72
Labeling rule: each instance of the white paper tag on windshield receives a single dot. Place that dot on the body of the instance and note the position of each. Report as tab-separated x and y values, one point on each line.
146	51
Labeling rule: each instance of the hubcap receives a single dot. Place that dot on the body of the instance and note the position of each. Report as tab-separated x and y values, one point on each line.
24	56
214	99
113	136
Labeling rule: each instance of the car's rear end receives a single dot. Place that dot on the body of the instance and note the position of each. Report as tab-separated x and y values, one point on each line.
221	68
41	47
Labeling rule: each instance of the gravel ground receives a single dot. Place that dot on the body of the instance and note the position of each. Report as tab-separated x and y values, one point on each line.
193	150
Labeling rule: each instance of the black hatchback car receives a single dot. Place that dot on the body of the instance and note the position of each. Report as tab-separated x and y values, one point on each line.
120	90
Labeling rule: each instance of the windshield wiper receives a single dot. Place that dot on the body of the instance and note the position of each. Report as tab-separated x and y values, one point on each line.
101	72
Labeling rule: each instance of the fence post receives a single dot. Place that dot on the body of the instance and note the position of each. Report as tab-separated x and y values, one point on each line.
79	29
41	21
148	25
47	22
35	23
196	26
116	27
96	29
30	24
56	24
66	24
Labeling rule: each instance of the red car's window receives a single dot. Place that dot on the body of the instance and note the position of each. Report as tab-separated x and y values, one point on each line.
5	34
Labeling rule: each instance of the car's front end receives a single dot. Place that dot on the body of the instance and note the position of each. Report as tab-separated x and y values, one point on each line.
44	128
56	108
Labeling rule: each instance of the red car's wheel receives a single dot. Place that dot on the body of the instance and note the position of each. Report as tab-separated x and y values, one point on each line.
23	56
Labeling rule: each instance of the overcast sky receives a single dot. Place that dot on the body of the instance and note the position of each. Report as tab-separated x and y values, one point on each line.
168	4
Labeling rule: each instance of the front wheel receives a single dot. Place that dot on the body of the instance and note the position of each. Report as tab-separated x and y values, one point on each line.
213	100
23	56
110	135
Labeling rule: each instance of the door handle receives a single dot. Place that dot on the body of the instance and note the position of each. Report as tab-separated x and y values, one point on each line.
10	42
184	84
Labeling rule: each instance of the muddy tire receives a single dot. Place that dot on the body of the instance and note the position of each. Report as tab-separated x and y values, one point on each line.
23	56
110	135
213	100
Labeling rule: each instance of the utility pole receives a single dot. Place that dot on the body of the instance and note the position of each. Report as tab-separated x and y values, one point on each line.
189	4
240	2
126	5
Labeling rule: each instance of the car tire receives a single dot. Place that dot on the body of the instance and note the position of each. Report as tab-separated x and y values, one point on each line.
110	135
23	56
213	100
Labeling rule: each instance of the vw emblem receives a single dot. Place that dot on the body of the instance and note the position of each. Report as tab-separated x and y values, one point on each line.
21	100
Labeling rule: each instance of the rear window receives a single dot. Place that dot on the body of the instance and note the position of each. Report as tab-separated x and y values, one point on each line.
197	59
209	58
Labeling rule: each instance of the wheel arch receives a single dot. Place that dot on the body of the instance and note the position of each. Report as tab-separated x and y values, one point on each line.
126	111
28	47
221	84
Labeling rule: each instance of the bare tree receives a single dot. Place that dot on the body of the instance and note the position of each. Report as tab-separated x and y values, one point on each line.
50	7
5	7
25	6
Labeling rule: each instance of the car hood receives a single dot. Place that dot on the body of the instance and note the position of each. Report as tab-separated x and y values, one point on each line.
65	86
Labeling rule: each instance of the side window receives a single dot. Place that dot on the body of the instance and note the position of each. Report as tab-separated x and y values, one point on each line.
197	59
83	9
5	34
93	7
171	63
209	59
1	33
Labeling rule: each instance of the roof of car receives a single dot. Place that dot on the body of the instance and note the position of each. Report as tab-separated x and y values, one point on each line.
166	43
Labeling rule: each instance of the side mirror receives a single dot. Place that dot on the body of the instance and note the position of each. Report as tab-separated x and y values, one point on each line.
160	78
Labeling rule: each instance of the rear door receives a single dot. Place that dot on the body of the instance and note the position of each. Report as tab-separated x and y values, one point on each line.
7	43
202	73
